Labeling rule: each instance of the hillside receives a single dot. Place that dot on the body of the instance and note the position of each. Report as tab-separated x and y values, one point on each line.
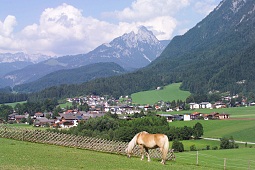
217	53
72	76
166	93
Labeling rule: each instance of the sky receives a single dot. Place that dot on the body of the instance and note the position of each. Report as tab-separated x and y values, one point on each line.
69	27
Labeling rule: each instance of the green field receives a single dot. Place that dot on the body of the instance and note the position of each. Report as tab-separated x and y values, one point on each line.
14	104
20	155
64	105
241	130
168	93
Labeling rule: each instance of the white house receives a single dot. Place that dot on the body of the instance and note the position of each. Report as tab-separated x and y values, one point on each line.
205	105
193	106
186	117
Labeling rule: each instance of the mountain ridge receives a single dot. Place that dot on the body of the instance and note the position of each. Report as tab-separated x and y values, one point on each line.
72	76
129	55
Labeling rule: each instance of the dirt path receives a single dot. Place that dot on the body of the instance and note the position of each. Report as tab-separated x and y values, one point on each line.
252	143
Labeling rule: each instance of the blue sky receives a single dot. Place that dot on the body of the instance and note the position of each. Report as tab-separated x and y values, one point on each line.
61	27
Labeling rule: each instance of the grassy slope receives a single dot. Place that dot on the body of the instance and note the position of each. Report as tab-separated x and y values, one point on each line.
168	93
241	130
19	155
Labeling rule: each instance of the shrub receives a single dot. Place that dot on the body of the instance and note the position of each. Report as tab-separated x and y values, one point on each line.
193	148
177	146
215	148
228	143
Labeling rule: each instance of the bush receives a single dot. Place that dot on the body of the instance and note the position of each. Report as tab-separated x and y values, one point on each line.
177	146
228	143
193	148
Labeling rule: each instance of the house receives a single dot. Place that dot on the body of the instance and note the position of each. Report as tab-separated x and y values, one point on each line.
219	105
186	117
18	118
67	123
223	116
214	115
196	115
168	117
11	117
193	106
205	105
38	114
43	122
147	108
178	117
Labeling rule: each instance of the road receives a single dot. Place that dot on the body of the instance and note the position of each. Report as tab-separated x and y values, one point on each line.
252	143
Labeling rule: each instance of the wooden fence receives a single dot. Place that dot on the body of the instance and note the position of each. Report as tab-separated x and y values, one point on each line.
96	144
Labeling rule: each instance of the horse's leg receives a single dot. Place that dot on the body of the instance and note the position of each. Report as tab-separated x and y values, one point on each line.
162	161
147	154
141	151
164	155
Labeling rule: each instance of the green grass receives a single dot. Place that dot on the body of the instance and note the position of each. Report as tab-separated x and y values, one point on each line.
20	155
14	104
241	130
168	93
200	144
64	105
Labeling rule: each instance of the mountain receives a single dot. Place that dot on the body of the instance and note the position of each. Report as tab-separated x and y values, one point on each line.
10	62
22	57
73	76
217	55
131	51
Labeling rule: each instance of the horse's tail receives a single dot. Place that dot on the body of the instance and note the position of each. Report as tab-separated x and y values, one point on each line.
131	144
165	148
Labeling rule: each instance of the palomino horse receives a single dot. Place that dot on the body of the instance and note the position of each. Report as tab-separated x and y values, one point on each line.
149	141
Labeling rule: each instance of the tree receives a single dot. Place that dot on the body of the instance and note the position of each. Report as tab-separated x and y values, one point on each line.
198	130
5	110
29	120
228	143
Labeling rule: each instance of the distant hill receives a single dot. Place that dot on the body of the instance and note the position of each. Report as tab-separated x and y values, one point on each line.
72	76
215	55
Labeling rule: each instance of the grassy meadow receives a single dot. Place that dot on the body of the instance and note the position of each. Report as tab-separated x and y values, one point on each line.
20	155
14	104
168	93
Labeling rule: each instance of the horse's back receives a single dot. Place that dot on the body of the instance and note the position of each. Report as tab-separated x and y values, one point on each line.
151	140
160	139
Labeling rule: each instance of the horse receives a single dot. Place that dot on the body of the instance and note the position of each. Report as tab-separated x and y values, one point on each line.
148	141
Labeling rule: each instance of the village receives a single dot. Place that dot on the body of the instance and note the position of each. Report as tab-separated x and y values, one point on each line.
99	106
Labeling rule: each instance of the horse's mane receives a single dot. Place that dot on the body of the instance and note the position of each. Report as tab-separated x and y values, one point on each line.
132	143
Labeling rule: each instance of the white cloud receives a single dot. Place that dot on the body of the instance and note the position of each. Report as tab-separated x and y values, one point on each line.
158	16
6	27
64	30
142	10
7	41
